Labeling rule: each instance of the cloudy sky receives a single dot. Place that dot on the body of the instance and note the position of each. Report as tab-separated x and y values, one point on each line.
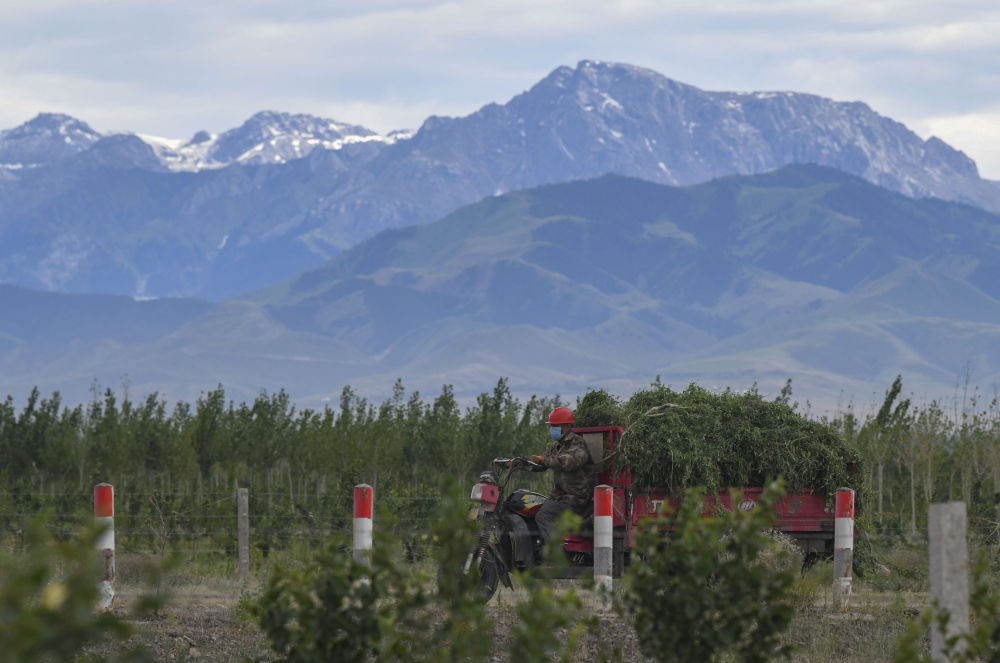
172	68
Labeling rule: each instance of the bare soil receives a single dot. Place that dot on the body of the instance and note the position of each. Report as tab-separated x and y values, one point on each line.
203	623
197	624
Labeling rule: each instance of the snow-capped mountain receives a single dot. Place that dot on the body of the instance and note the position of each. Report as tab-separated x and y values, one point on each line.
267	137
298	189
47	139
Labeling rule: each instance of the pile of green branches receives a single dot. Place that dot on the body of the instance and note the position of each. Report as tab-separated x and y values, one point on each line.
716	440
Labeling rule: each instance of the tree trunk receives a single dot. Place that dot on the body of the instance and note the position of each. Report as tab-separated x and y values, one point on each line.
881	465
913	500
928	483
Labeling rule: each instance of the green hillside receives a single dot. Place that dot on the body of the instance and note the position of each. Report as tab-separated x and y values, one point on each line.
804	272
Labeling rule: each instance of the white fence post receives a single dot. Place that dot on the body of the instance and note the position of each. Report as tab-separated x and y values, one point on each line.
243	521
946	530
603	499
364	499
104	515
843	548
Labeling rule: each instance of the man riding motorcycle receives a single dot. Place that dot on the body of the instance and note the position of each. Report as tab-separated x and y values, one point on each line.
516	525
574	472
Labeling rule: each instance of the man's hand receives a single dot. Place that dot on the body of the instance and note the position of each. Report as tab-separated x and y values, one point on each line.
538	460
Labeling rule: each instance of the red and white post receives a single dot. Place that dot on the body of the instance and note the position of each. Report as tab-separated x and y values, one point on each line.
104	515
843	548
364	499
603	501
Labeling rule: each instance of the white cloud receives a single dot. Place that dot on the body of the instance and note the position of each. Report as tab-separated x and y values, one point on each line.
173	68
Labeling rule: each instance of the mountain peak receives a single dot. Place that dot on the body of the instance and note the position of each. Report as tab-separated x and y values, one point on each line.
276	137
199	137
938	151
123	151
600	86
56	123
45	139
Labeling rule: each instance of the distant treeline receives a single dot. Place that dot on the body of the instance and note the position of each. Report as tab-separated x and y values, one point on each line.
183	461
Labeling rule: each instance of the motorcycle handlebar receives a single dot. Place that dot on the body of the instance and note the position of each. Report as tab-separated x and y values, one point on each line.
516	460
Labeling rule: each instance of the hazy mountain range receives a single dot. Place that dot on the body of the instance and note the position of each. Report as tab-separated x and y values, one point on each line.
806	272
215	216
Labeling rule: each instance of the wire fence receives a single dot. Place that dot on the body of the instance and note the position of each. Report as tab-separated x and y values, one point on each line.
182	524
206	526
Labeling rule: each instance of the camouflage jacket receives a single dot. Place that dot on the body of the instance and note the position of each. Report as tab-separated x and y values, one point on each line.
574	472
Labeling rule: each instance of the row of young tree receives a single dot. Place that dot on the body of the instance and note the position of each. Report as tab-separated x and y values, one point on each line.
918	453
300	464
402	442
173	465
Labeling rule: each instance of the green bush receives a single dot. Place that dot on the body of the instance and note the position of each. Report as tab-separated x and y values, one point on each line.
336	609
48	602
704	588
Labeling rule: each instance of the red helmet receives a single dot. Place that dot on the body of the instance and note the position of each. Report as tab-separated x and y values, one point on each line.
560	416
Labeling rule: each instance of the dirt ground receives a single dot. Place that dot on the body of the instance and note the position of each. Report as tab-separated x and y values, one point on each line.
197	624
205	623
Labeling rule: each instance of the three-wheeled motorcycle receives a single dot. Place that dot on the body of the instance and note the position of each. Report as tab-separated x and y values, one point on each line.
510	540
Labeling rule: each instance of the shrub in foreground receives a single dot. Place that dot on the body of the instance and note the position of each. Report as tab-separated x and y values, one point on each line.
336	609
708	587
48	603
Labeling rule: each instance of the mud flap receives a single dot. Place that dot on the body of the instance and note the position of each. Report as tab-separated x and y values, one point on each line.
523	540
505	576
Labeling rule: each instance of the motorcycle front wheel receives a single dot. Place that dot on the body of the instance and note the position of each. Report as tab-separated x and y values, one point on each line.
489	574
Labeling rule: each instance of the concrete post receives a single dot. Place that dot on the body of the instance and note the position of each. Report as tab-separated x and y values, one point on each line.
843	549
603	530
104	515
364	499
243	520
949	570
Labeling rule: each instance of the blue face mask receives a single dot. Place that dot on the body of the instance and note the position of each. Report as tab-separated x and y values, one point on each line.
555	432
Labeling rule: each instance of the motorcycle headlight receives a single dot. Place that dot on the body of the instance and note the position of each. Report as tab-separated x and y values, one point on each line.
486	494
